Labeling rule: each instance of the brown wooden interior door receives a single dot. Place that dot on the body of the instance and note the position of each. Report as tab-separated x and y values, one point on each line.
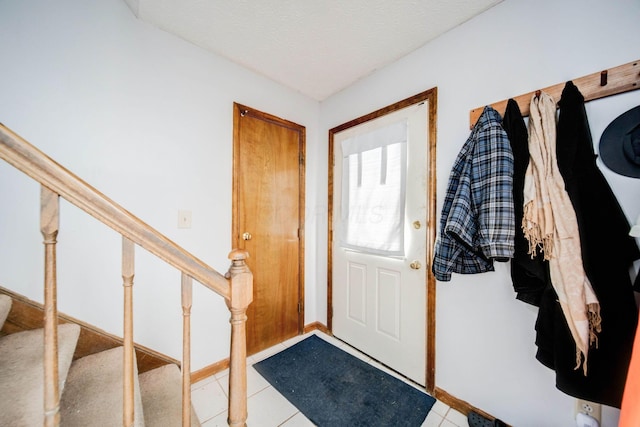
268	219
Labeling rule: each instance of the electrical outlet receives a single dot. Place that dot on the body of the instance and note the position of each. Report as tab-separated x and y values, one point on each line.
592	409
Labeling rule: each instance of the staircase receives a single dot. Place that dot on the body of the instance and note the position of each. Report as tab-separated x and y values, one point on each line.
40	381
91	387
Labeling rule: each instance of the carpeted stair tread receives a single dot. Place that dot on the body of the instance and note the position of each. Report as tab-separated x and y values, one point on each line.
93	395
161	390
5	307
22	373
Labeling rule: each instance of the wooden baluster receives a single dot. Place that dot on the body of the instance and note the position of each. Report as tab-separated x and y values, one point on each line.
49	223
186	349
241	297
128	251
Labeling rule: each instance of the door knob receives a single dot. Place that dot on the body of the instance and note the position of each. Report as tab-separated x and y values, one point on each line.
415	265
246	235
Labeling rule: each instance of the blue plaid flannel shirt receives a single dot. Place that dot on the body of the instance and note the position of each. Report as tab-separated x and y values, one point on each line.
478	222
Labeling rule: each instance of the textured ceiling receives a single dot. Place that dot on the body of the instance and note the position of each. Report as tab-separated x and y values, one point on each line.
317	47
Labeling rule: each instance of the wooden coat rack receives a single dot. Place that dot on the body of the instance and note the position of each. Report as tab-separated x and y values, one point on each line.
623	78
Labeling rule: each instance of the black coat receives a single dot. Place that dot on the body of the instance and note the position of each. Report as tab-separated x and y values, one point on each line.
529	275
607	253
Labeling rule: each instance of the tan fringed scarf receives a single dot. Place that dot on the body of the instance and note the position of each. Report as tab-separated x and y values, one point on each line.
550	223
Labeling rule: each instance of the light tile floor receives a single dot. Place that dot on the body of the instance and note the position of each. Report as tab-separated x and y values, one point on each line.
268	408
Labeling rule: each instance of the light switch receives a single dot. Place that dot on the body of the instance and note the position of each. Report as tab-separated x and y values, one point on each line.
184	219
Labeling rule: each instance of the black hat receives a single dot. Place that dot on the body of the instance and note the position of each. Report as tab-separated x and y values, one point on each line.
620	144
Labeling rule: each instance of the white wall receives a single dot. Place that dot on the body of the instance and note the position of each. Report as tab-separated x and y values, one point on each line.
147	119
485	338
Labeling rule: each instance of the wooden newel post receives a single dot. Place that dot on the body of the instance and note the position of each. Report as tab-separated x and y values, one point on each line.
240	298
49	222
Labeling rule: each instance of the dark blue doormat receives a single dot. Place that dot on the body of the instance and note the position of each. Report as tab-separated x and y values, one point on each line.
333	388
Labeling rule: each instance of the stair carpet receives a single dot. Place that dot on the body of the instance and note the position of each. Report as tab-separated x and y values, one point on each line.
91	387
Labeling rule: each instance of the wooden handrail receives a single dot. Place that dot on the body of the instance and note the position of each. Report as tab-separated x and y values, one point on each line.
236	286
33	162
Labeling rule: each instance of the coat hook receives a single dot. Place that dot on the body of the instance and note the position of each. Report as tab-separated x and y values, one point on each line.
537	95
603	78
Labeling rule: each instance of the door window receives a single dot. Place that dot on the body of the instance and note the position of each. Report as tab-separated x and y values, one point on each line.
373	191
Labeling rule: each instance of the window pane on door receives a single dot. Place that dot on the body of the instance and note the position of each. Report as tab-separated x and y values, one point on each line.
373	190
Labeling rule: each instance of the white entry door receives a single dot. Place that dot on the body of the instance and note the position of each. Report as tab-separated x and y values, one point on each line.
379	295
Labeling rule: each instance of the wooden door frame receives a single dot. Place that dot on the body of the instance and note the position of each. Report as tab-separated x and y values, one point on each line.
431	96
241	110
